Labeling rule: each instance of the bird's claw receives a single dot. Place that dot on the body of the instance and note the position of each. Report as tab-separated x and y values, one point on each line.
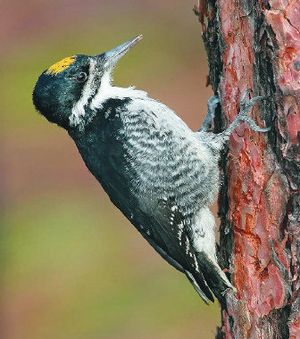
212	104
246	103
213	101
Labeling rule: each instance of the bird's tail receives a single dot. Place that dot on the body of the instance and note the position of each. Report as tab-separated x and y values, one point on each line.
214	277
199	284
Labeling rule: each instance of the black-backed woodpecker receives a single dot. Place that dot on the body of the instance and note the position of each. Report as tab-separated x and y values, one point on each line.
155	169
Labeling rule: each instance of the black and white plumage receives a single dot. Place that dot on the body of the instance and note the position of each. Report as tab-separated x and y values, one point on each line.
155	169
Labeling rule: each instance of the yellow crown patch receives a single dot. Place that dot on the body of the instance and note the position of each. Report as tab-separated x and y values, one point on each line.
61	65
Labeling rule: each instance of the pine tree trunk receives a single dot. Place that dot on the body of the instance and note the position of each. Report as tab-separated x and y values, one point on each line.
256	45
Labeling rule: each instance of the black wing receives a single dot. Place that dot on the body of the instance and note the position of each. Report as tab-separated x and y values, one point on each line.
165	229
140	164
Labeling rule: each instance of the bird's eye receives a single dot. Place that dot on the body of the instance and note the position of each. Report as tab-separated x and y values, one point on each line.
81	77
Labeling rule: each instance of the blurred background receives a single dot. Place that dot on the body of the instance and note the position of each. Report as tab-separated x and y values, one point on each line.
72	266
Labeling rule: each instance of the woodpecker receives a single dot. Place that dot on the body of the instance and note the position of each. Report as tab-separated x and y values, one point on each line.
162	175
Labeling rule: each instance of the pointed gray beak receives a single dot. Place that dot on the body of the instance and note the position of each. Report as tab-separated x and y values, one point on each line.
112	56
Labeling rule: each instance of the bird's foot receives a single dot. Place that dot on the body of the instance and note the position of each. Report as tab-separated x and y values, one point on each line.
212	105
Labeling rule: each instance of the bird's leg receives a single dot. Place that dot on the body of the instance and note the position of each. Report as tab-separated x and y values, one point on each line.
211	109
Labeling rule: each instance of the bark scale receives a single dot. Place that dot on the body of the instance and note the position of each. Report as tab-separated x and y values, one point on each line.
256	45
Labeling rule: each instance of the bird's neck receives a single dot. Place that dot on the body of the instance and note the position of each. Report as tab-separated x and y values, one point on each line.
107	91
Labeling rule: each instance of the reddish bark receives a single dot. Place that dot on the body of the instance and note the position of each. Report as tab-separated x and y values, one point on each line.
256	45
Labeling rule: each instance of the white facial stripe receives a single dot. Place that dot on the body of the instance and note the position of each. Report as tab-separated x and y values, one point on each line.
78	110
105	91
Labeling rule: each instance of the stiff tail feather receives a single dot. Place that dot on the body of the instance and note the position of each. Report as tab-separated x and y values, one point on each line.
215	278
199	284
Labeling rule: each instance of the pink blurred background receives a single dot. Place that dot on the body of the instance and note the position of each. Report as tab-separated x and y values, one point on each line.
72	266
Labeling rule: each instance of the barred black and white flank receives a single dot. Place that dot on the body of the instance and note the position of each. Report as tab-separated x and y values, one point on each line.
158	172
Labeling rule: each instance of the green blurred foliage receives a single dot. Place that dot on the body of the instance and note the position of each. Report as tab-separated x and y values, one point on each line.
69	277
73	267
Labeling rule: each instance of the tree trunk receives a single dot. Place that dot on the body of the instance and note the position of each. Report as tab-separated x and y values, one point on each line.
256	45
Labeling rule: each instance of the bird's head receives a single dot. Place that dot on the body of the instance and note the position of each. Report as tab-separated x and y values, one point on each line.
64	91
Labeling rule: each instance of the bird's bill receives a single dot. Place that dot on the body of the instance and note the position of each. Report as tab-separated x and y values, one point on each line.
116	54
